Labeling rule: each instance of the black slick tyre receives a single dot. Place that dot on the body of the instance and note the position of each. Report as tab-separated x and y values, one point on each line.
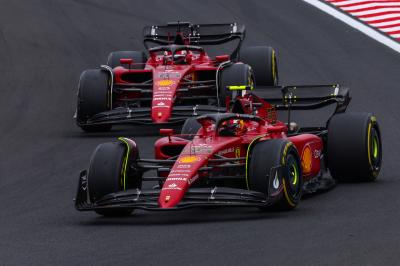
264	158
105	175
236	76
263	61
93	98
190	127
354	147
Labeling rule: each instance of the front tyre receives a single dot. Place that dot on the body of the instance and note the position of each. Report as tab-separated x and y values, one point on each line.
93	98
107	174
354	147
263	177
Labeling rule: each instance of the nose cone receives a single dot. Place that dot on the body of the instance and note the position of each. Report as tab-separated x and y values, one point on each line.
172	193
181	176
160	115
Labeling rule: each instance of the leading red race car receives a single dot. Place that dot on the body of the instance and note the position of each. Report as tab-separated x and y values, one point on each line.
244	158
173	81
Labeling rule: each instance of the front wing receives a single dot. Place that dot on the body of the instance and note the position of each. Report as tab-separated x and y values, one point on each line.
142	115
148	199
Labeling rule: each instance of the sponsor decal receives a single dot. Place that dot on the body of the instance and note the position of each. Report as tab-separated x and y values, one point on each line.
306	160
164	88
162	93
201	149
177	179
275	184
173	185
189	159
165	82
185	166
317	154
178	174
167	198
169	75
180	171
160	104
225	151
162	99
171	188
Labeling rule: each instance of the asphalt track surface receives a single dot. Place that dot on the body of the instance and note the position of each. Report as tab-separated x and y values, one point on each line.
44	46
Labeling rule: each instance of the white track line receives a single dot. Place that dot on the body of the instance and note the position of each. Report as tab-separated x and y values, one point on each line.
374	34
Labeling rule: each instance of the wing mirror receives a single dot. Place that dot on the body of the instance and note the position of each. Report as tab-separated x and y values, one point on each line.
126	61
222	58
168	132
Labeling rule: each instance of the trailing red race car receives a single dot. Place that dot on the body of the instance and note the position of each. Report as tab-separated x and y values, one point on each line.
244	158
173	81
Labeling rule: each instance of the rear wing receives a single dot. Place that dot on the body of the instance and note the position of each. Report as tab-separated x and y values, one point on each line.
194	34
306	97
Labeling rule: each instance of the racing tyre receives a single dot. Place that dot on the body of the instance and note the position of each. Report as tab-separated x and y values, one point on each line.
237	75
191	126
263	177
106	176
263	61
354	147
93	93
139	59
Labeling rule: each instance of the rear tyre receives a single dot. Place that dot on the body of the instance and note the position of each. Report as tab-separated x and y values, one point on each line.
354	147
264	157
138	57
263	61
93	98
105	175
191	126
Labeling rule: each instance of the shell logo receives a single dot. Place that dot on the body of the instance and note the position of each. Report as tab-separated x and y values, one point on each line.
189	159
165	82
306	160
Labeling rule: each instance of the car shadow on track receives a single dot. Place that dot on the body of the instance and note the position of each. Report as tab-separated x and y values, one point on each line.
192	216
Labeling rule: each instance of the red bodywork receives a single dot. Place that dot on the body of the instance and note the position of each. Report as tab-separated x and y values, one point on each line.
207	144
168	80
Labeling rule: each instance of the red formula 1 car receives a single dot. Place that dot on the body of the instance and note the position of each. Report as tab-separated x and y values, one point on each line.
247	158
173	81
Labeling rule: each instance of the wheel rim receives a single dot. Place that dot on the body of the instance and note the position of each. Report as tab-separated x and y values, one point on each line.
375	149
293	174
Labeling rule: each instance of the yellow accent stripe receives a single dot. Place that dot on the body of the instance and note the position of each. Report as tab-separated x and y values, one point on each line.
286	194
289	144
273	67
232	88
289	201
125	163
369	144
247	158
